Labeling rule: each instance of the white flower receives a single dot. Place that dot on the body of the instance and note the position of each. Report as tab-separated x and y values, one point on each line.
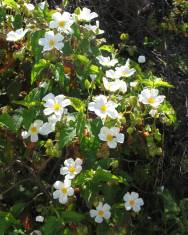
117	85
71	168
153	112
133	84
112	74
150	96
55	104
106	61
33	131
95	28
141	59
51	41
111	136
102	212
103	108
17	35
29	6
132	201
36	232
42	5
63	191
62	22
125	71
39	218
93	77
49	127
86	15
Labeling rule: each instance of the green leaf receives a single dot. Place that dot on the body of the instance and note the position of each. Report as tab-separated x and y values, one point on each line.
77	104
109	48
83	59
104	175
67	49
59	73
67	134
36	48
72	216
52	226
37	69
7	121
94	69
80	125
17	23
11	3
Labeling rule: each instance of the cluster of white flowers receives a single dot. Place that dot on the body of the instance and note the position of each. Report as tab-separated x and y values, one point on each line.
54	109
70	170
102	211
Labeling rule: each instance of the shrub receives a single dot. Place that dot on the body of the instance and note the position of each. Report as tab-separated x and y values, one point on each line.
79	127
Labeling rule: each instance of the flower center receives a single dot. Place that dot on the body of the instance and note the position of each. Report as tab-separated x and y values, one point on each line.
125	72
103	108
34	130
151	100
132	203
56	107
64	190
101	213
109	137
72	169
52	43
62	23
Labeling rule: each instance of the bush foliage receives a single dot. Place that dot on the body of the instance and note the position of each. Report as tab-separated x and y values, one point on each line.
81	129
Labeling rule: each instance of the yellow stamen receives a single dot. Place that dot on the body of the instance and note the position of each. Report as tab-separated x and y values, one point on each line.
56	107
103	108
132	203
34	130
151	100
64	190
109	137
101	213
72	169
62	23
52	43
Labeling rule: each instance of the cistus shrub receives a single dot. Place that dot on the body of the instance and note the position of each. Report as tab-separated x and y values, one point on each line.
79	126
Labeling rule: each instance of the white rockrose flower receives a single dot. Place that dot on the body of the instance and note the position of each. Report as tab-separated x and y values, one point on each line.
55	104
133	84
125	70
132	201
51	41
33	131
112	74
141	59
49	127
62	22
111	136
95	28
39	218
17	35
86	15
103	108
117	85
72	168
29	6
106	61
153	112
102	212
36	232
42	5
150	96
63	191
